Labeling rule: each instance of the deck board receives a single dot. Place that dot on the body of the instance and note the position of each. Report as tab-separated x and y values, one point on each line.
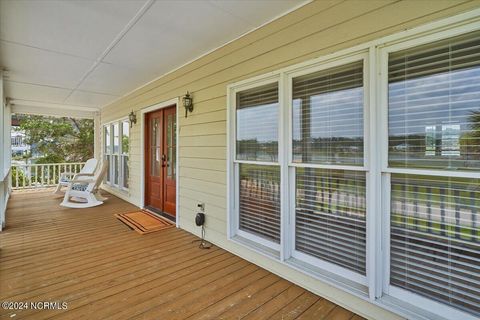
104	270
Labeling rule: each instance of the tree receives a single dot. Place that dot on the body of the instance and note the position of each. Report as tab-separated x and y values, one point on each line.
474	135
59	139
475	123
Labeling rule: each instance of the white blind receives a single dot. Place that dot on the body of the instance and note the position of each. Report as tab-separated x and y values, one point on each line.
328	116
434	105
435	238
434	123
330	216
327	123
259	203
257	123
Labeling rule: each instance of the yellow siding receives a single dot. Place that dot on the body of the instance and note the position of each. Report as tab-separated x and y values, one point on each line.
314	30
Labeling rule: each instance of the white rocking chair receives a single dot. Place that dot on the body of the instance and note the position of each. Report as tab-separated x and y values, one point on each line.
84	192
66	177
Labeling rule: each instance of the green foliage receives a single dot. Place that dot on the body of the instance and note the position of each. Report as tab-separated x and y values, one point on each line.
125	144
50	158
59	139
21	177
475	123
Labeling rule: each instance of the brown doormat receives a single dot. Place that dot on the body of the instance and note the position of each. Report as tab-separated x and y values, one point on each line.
144	222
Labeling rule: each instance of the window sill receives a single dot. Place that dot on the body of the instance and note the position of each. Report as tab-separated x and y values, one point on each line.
252	245
116	188
328	277
406	310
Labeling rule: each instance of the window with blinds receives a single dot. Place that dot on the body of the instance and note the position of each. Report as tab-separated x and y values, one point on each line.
107	149
435	238
330	205
114	163
434	105
330	216
328	116
259	201
434	123
257	123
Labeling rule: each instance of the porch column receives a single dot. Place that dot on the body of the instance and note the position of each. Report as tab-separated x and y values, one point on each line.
5	156
97	136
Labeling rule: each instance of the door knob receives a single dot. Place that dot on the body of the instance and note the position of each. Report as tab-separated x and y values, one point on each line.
164	159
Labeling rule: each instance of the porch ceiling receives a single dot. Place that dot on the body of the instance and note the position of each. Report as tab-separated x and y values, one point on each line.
85	54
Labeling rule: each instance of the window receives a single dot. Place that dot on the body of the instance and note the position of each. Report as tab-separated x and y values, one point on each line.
116	152
328	116
258	186
433	112
330	205
363	170
330	212
257	124
116	148
107	150
171	146
435	238
125	147
434	124
260	201
326	166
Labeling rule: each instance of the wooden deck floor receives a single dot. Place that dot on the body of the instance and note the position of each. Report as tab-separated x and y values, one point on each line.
102	270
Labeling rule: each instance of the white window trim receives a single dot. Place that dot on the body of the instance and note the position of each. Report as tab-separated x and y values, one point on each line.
378	175
120	154
234	164
290	252
287	176
386	171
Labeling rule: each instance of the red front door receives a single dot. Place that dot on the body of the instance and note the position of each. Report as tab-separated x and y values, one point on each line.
160	160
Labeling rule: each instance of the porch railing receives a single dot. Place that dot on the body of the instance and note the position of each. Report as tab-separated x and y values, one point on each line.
28	176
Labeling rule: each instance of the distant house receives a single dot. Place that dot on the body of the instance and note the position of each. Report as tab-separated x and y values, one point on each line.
19	146
18	140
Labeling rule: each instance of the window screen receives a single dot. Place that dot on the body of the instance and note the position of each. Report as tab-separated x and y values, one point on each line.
434	105
330	216
328	116
259	205
257	123
435	238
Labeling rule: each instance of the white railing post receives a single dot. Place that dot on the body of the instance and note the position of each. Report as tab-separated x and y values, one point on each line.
42	175
16	176
25	175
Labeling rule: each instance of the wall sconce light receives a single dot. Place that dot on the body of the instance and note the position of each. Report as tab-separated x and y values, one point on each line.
187	103
132	117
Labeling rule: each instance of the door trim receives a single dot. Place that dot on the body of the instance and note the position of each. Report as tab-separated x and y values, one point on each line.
143	112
